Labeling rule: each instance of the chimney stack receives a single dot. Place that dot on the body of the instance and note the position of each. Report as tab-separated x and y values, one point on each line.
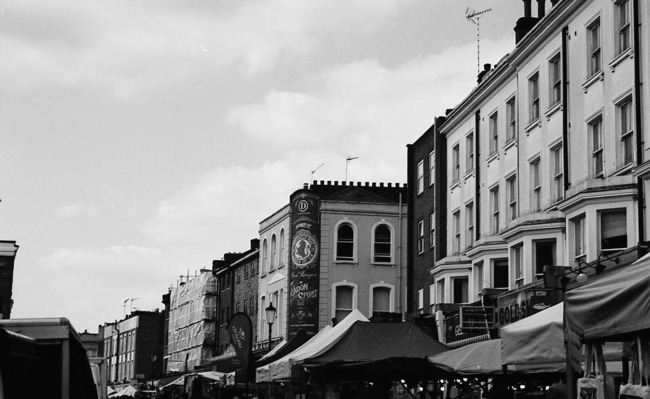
541	8
486	69
527	22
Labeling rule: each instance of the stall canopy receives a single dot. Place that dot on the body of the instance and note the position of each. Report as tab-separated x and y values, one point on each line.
284	348
613	304
371	351
319	343
484	359
536	339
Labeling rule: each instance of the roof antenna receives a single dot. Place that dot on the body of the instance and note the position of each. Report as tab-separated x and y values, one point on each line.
473	17
314	171
347	161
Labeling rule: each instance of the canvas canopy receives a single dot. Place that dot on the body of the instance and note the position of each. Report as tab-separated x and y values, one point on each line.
328	336
536	339
372	351
484	359
613	304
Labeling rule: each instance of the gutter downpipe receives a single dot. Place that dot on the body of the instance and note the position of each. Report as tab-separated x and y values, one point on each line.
399	257
565	109
638	120
477	175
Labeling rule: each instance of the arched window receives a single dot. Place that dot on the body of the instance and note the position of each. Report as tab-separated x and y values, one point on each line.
282	249
383	244
345	242
265	256
274	252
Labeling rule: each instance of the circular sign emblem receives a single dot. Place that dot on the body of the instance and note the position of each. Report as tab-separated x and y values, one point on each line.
304	248
303	205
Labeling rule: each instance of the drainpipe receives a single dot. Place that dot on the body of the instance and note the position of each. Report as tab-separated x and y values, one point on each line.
399	257
477	175
565	108
638	120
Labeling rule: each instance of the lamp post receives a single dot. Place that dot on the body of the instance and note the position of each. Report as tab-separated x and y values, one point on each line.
270	318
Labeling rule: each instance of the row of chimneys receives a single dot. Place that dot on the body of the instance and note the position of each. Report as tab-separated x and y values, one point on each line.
526	23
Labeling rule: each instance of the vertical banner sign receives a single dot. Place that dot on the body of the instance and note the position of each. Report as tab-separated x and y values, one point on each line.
240	330
304	271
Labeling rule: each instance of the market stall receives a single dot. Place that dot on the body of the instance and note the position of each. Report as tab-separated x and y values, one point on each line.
319	343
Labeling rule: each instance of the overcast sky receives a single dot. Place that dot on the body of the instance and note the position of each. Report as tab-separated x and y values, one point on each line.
143	139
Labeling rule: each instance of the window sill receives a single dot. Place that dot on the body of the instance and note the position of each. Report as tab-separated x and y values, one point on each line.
619	58
532	125
454	184
345	262
600	75
554	108
382	264
468	174
492	157
624	170
511	143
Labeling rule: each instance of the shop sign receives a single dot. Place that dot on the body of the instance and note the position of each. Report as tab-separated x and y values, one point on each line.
525	304
454	332
477	318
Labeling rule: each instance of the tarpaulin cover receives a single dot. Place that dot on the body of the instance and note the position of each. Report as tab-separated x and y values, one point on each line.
319	343
484	358
284	348
376	341
613	304
378	351
536	339
191	323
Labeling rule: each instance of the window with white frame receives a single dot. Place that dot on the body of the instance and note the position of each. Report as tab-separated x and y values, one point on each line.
535	186
432	168
625	119
593	47
421	301
557	172
478	276
469	145
622	25
283	249
274	252
432	230
579	240
596	138
455	167
344	301
613	230
459	289
511	188
500	273
517	256
469	224
494	133
544	253
440	291
555	80
533	97
381	299
265	256
494	207
383	245
511	120
456	231
420	172
345	242
420	236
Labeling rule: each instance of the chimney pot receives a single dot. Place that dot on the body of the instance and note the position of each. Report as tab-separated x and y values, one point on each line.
541	8
528	12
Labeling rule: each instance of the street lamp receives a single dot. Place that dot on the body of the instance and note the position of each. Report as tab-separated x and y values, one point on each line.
154	357
270	318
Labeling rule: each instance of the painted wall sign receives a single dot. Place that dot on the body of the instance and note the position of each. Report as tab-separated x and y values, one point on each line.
304	270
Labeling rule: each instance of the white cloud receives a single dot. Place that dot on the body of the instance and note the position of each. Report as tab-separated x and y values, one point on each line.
76	210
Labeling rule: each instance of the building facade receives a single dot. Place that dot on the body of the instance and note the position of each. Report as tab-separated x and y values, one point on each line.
350	253
8	251
133	348
545	158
